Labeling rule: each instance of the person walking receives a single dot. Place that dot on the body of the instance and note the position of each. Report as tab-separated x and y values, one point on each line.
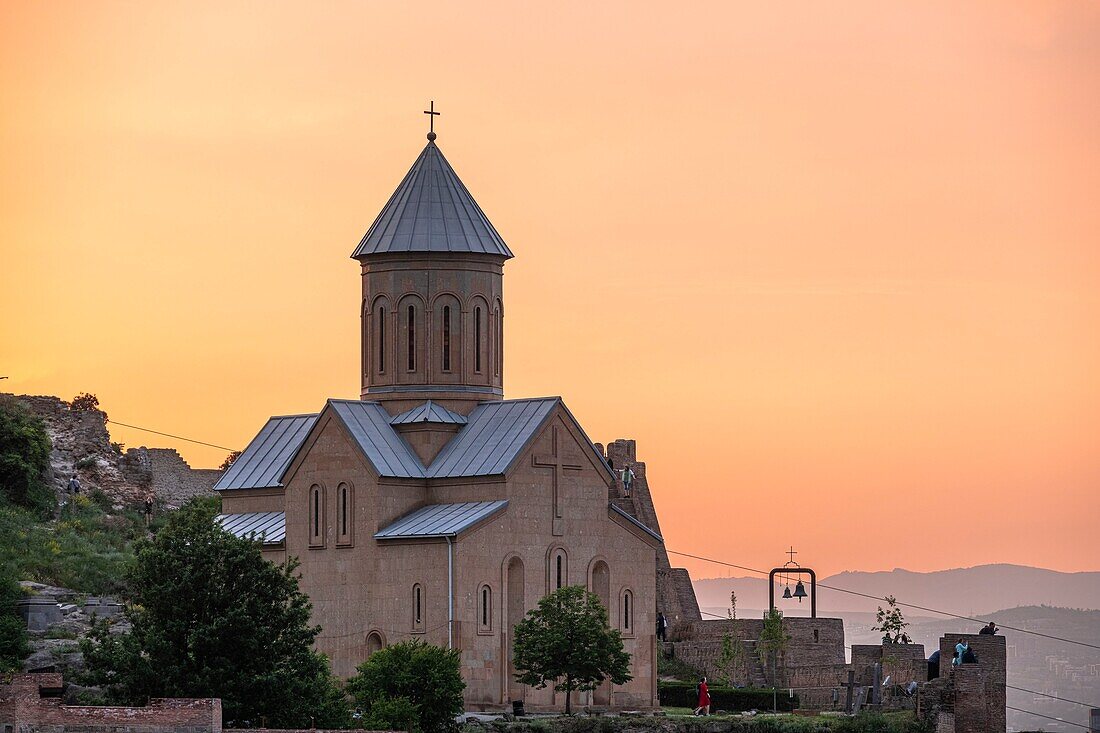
704	698
74	485
628	478
149	498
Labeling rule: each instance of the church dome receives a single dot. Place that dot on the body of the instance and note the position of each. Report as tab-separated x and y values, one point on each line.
432	211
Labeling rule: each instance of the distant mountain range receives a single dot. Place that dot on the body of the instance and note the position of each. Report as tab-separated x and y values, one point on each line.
969	591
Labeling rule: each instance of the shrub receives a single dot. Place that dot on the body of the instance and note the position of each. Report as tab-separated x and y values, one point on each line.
392	714
13	631
86	462
411	670
684	695
24	458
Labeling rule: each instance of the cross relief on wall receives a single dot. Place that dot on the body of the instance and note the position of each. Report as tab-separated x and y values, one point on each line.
560	464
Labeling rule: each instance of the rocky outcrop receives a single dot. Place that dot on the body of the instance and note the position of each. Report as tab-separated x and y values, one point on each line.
81	445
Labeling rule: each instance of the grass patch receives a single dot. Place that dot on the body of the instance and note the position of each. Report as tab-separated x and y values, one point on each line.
87	548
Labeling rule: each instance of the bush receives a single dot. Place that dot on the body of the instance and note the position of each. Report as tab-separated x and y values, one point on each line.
392	714
24	458
684	695
411	670
13	631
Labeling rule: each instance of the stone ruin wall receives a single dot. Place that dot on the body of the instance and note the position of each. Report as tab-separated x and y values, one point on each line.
31	703
81	437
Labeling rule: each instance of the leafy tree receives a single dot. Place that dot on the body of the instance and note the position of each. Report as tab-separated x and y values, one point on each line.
13	631
567	640
24	458
230	459
386	685
85	402
733	651
773	640
891	623
212	618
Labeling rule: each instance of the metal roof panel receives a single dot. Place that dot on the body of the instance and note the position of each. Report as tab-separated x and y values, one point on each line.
431	211
441	520
263	462
268	527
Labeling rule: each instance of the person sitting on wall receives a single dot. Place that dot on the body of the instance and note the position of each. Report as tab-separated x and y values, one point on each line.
960	648
704	698
989	630
969	657
934	665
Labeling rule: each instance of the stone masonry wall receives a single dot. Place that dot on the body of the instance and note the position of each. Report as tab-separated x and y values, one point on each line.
24	708
172	478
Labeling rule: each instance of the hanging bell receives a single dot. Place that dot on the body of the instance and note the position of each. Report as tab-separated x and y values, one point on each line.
787	592
800	591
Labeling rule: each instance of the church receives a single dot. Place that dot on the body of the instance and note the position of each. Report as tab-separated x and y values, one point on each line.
432	507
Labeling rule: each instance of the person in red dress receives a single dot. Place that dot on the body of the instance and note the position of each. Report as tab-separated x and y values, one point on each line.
704	698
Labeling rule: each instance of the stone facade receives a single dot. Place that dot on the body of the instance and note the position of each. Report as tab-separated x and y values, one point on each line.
31	703
432	329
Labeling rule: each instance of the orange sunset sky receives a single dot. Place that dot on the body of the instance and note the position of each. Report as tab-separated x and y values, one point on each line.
835	266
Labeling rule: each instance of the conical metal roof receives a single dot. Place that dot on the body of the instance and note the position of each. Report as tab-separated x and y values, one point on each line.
431	211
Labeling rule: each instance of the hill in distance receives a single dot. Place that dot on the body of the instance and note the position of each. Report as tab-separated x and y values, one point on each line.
969	591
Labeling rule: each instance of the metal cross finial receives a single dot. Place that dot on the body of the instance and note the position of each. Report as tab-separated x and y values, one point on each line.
792	553
432	114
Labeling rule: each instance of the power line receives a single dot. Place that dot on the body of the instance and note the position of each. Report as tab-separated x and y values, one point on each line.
1053	697
897	602
1048	717
169	435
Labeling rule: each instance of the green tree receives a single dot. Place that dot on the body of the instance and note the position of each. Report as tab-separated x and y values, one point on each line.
24	458
733	650
211	618
387	684
13	631
567	640
773	641
891	623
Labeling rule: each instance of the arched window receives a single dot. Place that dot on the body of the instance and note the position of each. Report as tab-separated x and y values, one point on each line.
446	338
628	612
345	518
485	610
477	339
380	327
557	570
316	516
418	608
498	341
375	643
412	337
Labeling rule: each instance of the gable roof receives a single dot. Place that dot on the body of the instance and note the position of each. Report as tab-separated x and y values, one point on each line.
429	412
493	437
431	211
369	425
268	527
440	520
635	521
263	462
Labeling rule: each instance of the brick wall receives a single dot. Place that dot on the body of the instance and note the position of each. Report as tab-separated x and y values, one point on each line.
23	707
979	689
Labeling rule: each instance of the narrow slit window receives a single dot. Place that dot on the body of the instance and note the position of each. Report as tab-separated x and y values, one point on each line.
558	564
344	510
381	328
485	606
316	513
316	510
412	338
477	339
446	338
418	607
628	612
